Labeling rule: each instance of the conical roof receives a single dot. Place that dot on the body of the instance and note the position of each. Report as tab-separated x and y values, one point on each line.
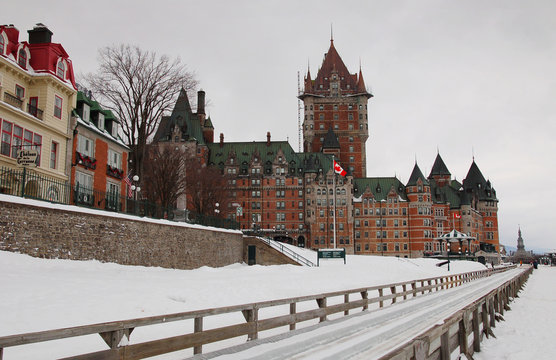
439	168
416	174
330	140
474	177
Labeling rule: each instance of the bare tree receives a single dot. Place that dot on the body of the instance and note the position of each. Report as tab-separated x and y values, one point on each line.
164	175
206	187
139	87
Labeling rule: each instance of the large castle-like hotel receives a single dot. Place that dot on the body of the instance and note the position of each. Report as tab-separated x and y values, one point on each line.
297	197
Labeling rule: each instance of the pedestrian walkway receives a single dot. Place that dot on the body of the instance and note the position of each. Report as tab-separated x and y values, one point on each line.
529	328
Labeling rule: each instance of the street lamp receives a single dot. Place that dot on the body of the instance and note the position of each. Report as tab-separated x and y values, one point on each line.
135	187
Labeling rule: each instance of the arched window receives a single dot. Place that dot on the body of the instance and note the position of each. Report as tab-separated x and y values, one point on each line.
61	69
22	58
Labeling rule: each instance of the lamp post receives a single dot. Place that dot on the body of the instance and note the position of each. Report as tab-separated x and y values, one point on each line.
135	186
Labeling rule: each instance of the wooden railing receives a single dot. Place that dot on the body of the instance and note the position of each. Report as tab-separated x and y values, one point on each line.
325	304
476	319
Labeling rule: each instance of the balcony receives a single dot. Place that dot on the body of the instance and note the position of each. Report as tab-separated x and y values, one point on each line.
35	111
86	161
114	172
13	100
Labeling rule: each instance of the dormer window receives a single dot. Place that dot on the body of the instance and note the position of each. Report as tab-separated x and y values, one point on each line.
22	58
100	121
61	69
86	112
115	129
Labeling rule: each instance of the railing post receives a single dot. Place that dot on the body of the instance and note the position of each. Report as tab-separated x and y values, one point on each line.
322	304
365	296
476	334
484	317
414	288
114	338
404	288
198	327
293	310
445	346
430	283
393	291
462	335
381	302
252	316
492	312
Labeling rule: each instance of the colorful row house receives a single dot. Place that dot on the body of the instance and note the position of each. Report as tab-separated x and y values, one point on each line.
37	96
99	157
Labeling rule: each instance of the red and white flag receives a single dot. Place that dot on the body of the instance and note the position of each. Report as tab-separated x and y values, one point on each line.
338	169
457	216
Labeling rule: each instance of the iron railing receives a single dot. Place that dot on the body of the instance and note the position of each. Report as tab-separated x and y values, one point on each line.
31	184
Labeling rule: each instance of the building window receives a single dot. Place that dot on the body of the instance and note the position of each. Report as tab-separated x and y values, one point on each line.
6	138
114	159
17	140
85	146
19	92
350	116
321	126
86	112
2	44
53	155
37	145
57	106
321	107
61	69
335	116
22	58
100	121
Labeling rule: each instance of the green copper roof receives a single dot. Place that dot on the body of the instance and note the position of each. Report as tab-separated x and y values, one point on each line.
379	186
184	118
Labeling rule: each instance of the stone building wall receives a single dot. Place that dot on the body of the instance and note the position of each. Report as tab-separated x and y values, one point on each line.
55	231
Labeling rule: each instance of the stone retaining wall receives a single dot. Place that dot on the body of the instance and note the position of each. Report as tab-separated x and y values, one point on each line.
44	230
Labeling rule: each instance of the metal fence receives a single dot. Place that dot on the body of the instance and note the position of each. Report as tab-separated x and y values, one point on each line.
30	184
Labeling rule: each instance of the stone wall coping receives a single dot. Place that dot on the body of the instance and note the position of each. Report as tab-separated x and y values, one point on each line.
84	210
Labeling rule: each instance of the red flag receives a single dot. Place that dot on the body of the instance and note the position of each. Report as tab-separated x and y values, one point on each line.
338	169
457	216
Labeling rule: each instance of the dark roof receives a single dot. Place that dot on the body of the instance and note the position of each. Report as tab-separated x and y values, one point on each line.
446	194
415	175
475	182
379	187
439	168
184	118
330	140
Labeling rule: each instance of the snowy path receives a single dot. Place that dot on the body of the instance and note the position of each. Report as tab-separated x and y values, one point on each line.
368	334
528	329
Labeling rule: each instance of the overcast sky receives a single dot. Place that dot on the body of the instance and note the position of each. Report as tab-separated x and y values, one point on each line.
460	77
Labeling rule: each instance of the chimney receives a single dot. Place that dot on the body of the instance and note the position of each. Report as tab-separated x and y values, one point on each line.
221	140
12	33
268	138
40	35
200	102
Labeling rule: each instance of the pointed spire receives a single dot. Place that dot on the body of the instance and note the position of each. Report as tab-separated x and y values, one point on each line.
416	174
331	34
361	83
439	167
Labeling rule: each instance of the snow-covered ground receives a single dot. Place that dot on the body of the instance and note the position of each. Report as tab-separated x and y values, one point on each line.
38	294
528	331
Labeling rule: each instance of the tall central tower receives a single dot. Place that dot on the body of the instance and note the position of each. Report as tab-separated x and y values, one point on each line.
336	113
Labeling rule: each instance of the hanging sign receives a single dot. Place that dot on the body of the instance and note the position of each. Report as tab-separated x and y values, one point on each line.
27	157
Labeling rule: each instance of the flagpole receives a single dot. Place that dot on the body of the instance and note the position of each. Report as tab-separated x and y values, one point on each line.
334	190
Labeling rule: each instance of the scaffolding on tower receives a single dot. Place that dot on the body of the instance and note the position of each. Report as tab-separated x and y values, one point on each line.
299	128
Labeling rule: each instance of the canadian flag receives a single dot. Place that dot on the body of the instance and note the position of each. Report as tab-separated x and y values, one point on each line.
457	216
338	169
